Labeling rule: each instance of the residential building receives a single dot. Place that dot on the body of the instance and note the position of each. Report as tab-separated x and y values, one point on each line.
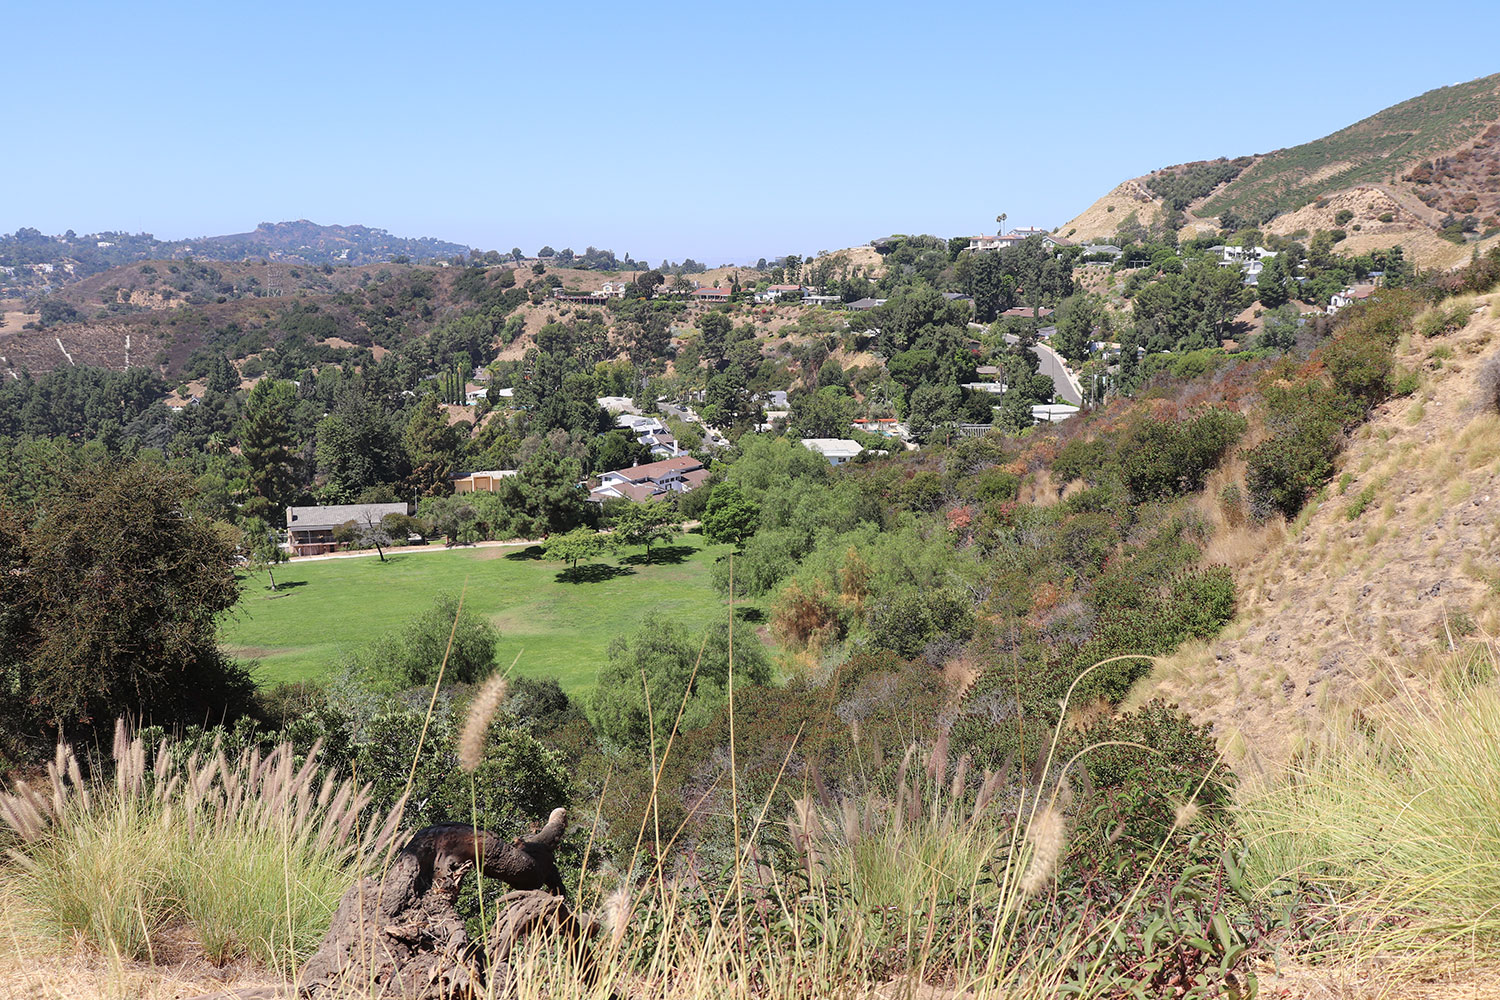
1053	413
993	242
617	404
1110	249
861	305
711	294
656	479
836	450
775	292
481	482
310	529
1028	312
1349	296
614	289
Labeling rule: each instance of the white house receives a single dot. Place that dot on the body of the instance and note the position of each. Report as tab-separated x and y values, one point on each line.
1349	296
614	289
617	404
643	482
1053	413
836	450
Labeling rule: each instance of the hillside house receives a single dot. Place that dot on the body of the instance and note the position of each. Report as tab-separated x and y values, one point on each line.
310	529
617	404
1349	296
836	450
614	289
711	295
865	304
656	479
980	243
482	482
1028	312
776	292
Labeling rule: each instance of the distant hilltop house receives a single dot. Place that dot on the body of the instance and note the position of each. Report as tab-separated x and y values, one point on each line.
1015	238
711	294
1027	312
836	450
645	482
612	289
310	529
1349	296
864	304
1103	249
482	482
775	292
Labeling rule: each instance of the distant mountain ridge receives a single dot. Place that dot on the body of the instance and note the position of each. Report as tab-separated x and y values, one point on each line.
31	261
1425	173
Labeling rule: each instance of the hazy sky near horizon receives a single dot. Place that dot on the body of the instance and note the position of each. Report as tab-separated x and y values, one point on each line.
721	132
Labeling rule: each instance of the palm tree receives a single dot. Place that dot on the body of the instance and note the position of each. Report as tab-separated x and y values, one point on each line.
1000	219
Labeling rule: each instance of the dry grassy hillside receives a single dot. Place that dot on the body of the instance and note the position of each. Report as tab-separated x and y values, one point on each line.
1098	222
1357	600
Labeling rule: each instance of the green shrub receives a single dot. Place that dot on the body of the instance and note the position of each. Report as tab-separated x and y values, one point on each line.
1290	465
1361	503
1406	383
1145	764
1163	459
412	656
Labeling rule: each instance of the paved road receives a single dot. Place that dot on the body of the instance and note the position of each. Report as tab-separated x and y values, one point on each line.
1050	364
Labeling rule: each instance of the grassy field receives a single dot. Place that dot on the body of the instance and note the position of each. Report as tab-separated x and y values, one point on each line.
563	626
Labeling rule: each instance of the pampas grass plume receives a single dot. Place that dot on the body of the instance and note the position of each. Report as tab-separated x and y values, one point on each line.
486	704
1047	834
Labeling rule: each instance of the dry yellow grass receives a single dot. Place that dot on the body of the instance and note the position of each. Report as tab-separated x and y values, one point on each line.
1329	601
1100	219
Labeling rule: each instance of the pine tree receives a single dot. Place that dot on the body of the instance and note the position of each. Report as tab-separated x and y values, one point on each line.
266	444
432	446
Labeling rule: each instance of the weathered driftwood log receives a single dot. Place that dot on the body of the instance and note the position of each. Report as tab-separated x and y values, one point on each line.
400	936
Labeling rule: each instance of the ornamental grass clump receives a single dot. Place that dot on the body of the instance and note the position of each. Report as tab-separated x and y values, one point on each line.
250	855
1397	818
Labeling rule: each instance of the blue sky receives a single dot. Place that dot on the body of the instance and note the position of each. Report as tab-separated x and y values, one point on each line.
722	132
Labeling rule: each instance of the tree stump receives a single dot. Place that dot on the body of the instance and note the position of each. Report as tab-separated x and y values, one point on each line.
400	936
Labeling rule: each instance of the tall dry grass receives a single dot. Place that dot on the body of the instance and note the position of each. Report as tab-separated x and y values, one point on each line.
1396	818
250	854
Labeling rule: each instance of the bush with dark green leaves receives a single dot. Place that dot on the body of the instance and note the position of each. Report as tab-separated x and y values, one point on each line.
413	655
1143	765
908	622
1160	458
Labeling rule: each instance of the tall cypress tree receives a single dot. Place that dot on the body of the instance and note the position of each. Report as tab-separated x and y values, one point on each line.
266	443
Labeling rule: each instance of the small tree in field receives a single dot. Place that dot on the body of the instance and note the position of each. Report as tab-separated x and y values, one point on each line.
644	523
261	548
580	543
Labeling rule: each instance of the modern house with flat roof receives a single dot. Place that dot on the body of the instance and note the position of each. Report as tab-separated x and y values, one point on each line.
836	450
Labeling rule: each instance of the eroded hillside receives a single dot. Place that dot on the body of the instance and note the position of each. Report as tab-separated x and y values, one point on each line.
1396	562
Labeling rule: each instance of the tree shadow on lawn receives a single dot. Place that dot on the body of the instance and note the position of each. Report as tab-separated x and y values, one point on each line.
667	555
593	573
530	553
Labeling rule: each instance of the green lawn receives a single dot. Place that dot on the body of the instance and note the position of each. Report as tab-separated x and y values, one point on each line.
560	627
